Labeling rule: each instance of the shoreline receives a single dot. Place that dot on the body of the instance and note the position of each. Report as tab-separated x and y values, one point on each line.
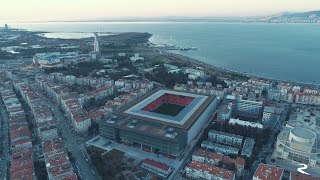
224	70
169	54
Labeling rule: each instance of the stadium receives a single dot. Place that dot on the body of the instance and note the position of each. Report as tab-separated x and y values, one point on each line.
164	121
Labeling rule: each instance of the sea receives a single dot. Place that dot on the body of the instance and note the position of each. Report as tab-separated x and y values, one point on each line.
289	52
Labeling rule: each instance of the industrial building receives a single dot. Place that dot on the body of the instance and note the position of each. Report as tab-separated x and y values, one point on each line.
146	124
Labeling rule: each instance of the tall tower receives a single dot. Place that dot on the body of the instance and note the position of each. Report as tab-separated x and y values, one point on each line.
6	27
96	48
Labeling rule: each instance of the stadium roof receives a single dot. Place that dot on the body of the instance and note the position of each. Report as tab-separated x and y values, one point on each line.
184	119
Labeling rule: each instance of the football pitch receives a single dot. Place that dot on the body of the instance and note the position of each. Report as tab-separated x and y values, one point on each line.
168	109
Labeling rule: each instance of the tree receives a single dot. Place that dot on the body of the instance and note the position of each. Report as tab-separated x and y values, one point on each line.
264	93
94	128
162	76
215	81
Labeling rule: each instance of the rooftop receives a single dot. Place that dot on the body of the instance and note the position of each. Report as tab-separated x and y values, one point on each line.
245	123
211	169
195	105
145	127
52	145
156	164
20	154
215	156
247	147
21	141
58	165
225	134
268	172
238	160
208	154
268	109
22	131
303	133
58	159
22	167
80	115
220	146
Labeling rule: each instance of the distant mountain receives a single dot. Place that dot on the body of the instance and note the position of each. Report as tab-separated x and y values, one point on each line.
310	14
162	19
288	17
302	17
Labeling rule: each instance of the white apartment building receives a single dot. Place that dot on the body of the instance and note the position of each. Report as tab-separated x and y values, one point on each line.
198	170
225	138
267	115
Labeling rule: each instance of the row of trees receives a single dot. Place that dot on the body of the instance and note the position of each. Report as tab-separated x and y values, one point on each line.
260	135
162	76
108	165
215	81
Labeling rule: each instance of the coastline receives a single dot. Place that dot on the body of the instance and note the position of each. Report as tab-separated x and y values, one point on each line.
176	57
229	71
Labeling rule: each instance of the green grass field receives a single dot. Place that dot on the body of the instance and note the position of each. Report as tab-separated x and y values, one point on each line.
168	109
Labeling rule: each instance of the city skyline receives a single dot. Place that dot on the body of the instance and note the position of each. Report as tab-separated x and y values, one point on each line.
36	10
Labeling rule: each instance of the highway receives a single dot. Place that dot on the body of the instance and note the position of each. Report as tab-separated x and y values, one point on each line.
73	143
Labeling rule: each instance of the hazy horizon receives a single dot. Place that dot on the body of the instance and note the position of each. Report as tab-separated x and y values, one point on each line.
61	10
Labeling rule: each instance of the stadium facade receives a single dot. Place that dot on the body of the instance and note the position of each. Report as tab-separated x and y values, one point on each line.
164	121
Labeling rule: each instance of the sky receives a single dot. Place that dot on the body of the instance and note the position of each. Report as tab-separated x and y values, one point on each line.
55	10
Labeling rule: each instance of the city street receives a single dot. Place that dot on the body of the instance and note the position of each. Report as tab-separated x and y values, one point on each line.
73	144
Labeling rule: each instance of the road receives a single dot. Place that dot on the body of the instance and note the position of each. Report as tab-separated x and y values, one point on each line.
73	143
5	156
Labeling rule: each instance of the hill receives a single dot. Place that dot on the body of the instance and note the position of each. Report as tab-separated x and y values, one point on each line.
302	17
